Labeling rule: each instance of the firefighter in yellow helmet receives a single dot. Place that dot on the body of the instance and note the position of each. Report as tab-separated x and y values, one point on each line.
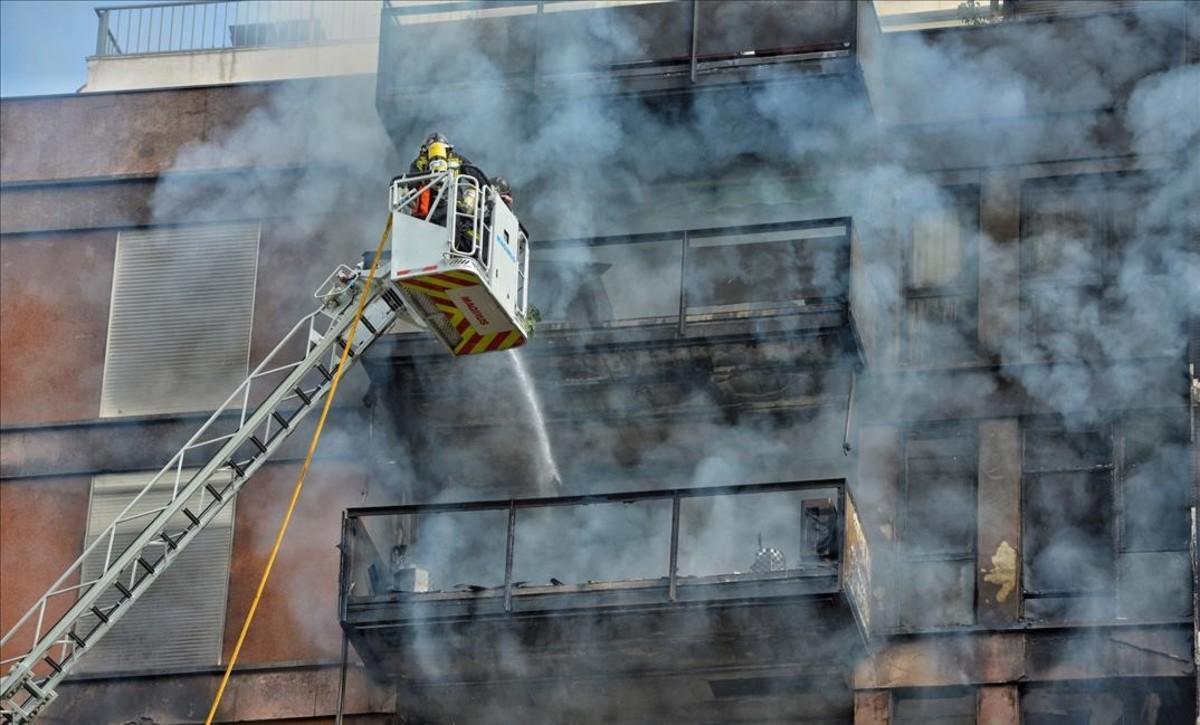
438	154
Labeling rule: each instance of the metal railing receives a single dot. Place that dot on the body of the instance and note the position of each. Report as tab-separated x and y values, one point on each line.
184	27
664	541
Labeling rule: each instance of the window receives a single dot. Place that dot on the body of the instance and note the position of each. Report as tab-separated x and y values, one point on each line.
1077	235
1105	519
1117	701
733	271
934	706
937	528
179	323
179	621
941	286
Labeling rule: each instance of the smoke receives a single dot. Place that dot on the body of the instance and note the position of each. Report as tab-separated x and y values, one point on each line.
951	111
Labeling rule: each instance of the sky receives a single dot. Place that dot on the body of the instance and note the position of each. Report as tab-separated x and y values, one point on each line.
44	44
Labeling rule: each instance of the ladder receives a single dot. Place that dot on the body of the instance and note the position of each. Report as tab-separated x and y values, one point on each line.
203	476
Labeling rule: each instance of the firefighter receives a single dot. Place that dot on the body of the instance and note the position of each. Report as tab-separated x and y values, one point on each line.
434	155
504	191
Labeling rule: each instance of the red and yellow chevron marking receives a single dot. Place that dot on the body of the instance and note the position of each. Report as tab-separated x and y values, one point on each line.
472	342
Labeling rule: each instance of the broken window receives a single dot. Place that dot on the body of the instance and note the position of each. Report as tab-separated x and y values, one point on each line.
941	281
937	527
1105	519
1079	235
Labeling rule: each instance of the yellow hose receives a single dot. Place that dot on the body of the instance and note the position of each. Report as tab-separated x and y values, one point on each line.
312	449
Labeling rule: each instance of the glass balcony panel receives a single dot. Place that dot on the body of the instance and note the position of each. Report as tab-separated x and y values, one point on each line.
576	40
758	534
462	551
557	545
731	270
591	285
739	28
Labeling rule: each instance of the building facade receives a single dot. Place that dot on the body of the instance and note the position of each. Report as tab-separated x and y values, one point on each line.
865	387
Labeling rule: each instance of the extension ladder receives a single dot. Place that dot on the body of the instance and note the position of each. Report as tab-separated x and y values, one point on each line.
228	448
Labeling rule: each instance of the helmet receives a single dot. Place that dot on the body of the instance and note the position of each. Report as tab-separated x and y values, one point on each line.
437	148
503	189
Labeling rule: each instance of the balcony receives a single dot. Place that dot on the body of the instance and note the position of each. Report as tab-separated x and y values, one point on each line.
753	576
641	333
1017	51
541	50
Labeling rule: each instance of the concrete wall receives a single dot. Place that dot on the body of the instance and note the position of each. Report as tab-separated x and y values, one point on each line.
54	289
218	67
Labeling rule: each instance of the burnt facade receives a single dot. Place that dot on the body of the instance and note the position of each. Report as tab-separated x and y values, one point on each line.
861	392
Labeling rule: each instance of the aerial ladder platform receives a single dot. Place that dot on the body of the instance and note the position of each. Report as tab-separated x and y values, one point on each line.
457	267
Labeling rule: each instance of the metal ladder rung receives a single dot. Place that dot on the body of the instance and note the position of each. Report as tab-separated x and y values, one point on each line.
241	472
367	324
214	492
283	423
53	664
302	395
170	542
100	612
324	372
191	516
145	565
123	589
79	641
258	444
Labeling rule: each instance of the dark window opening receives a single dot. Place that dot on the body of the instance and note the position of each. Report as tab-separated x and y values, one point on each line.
1105	519
934	706
937	527
1133	701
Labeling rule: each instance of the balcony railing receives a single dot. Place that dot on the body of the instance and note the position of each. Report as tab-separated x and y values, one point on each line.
555	42
484	559
185	27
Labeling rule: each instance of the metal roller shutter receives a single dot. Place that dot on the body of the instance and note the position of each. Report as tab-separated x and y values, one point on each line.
179	323
180	620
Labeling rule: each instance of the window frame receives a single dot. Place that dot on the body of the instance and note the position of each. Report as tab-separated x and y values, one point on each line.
968	557
1108	240
91	665
1116	429
966	201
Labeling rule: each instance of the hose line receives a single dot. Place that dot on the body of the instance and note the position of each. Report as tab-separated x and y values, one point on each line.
312	449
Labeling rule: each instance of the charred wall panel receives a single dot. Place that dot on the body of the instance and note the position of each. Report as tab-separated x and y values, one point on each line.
998	596
52	359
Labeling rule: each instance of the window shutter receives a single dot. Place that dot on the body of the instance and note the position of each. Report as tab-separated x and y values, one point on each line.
180	620
179	323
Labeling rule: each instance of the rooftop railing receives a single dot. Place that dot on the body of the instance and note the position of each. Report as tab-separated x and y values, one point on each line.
189	27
